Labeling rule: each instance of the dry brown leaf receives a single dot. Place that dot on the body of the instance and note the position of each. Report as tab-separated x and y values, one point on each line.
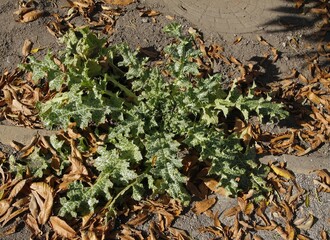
302	237
88	235
119	2
213	185
308	224
204	205
139	219
62	228
216	219
237	40
324	175
322	187
282	172
23	10
290	232
4	206
235	61
260	211
46	192
17	189
33	225
319	10
288	212
13	215
299	3
231	211
149	13
324	235
33	206
32	16
275	54
263	41
27	46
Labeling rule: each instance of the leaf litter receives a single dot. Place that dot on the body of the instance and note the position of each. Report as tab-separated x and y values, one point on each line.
20	98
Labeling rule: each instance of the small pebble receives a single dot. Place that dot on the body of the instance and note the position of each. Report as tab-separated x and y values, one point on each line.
145	20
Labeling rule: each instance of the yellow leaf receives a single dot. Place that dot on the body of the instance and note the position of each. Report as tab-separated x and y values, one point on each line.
35	50
282	172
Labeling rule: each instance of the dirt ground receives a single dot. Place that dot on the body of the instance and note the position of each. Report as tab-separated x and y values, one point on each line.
293	44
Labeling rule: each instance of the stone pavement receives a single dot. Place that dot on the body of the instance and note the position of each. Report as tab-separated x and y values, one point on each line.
231	16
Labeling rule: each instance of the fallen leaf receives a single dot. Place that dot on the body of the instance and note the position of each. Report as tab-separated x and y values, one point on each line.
4	206
263	41
17	189
119	2
32	16
149	13
33	225
308	224
27	46
324	235
46	192
88	235
61	227
213	185
231	211
13	215
237	40
290	232
282	172
204	205
302	237
139	219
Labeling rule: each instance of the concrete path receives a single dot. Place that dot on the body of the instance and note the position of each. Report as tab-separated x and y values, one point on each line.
232	16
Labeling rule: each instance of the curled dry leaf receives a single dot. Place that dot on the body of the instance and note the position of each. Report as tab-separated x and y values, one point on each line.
27	46
204	205
32	16
62	228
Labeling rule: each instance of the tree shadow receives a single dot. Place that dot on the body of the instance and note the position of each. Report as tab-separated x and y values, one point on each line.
311	17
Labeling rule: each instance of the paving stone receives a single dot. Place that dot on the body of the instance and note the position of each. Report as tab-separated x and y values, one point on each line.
236	16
